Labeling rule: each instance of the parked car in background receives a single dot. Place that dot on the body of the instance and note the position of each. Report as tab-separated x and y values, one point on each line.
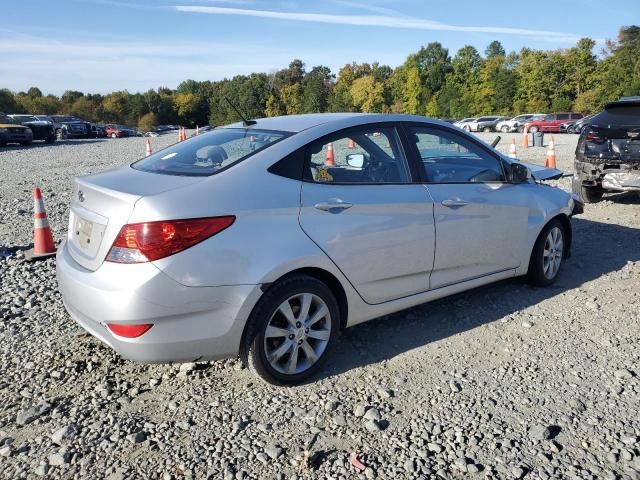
204	129
484	124
464	122
608	152
119	131
98	131
515	124
551	123
11	131
71	127
179	257
42	129
576	126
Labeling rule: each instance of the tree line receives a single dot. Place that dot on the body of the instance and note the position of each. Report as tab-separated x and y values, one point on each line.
430	82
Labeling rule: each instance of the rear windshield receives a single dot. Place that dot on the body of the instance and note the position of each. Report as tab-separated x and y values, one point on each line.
209	153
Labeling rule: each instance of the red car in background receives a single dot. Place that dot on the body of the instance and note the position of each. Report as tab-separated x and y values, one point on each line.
551	122
116	131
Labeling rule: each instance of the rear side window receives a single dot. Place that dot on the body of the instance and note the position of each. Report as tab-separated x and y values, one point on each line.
562	116
209	153
450	158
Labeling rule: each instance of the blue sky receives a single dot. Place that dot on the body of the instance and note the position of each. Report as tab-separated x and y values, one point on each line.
106	45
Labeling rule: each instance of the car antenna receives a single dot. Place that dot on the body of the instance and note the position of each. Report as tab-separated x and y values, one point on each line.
245	122
496	141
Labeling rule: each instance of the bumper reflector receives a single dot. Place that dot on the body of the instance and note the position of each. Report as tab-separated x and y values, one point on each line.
129	331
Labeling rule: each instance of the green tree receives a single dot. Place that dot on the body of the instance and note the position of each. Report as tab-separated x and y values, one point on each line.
291	96
412	93
147	122
274	107
494	49
367	94
8	102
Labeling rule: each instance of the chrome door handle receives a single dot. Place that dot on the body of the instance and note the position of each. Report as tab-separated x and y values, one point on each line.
333	204
454	203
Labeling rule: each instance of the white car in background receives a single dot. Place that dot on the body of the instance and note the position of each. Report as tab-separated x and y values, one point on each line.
464	123
516	124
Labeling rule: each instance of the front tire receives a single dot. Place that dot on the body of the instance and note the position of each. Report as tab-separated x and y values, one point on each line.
533	129
113	135
547	255
486	129
291	331
505	129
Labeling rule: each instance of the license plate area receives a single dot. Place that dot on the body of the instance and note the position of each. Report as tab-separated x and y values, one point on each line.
83	231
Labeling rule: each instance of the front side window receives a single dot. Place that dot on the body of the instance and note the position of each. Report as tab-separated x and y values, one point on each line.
209	153
450	158
563	116
367	155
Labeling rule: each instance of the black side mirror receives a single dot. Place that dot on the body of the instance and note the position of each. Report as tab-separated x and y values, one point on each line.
519	173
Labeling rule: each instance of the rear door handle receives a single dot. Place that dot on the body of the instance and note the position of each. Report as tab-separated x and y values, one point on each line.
333	204
454	203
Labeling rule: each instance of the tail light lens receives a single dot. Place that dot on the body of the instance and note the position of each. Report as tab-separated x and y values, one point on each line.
149	241
593	138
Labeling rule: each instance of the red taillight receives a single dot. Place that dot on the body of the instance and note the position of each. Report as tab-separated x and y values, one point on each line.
149	241
593	137
129	331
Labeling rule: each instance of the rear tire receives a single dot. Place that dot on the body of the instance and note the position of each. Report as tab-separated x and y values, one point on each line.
113	135
586	193
505	129
487	129
548	254
533	129
292	331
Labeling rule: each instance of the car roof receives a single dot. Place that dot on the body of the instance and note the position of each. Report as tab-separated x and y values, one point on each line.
298	123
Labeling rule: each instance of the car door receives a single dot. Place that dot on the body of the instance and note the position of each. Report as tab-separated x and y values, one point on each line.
480	218
359	205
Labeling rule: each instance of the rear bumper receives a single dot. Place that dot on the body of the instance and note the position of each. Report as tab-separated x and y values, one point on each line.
189	323
609	174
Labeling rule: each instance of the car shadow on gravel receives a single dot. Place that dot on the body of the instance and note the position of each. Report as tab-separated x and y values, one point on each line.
598	249
626	198
57	143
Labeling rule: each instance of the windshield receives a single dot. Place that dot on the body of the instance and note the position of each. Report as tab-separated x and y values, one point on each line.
209	153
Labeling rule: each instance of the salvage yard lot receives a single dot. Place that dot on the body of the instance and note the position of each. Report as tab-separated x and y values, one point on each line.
505	381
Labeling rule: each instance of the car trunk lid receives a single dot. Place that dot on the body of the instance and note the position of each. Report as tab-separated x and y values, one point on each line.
615	133
101	204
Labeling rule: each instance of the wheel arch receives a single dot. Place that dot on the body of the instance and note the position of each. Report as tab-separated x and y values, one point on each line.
326	277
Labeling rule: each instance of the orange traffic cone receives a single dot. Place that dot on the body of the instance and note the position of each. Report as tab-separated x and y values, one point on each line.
179	134
513	153
551	155
525	138
43	246
330	160
351	144
149	151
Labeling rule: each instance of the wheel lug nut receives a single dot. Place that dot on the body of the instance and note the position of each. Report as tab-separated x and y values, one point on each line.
298	324
299	342
291	337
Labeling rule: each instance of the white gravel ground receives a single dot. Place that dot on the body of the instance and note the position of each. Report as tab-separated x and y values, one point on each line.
503	382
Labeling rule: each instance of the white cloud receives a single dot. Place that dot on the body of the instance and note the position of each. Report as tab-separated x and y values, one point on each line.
374	21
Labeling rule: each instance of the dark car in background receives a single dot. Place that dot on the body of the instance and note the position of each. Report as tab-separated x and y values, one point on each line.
42	129
576	126
608	152
72	127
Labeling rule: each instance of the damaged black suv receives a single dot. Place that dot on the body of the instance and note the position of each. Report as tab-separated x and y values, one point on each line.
608	152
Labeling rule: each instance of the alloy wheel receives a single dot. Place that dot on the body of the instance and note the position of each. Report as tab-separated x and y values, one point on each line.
552	253
297	334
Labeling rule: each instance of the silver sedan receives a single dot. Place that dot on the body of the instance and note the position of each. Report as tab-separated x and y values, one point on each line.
266	238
